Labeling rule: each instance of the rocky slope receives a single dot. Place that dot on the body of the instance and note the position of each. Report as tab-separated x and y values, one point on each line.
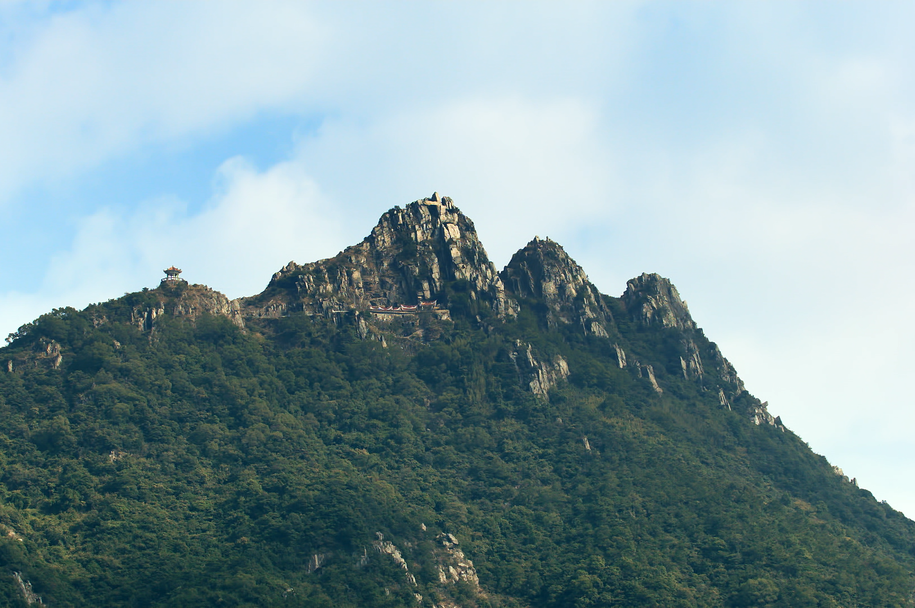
543	271
182	300
652	301
427	251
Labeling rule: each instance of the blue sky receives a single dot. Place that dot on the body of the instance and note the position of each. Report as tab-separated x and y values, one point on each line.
759	154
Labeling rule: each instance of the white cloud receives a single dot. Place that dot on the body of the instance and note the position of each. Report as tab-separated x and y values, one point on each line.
97	82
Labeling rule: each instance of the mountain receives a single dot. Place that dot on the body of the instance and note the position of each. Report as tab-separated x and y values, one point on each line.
429	250
403	425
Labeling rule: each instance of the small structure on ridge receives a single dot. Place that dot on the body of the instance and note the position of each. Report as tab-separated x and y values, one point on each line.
171	274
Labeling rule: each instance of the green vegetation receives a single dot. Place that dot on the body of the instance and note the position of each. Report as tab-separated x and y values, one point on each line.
197	464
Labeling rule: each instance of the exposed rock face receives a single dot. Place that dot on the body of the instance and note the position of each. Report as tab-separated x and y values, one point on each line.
649	371
45	353
25	587
53	351
620	356
190	301
733	390
200	299
543	270
429	252
145	318
539	376
838	471
448	562
453	566
316	561
386	547
426	251
727	371
692	363
760	415
653	300
733	385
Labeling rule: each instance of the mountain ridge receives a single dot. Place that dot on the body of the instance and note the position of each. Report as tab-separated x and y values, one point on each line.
412	254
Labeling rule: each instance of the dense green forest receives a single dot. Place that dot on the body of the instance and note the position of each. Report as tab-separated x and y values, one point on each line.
201	464
522	441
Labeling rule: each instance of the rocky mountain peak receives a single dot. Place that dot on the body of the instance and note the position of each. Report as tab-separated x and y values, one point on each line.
543	270
653	300
426	251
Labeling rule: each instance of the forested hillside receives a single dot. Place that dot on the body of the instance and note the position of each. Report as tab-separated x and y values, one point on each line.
516	439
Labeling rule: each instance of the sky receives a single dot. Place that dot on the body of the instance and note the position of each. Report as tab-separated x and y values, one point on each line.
761	155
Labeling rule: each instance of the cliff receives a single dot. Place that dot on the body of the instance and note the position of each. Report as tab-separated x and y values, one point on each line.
427	251
542	271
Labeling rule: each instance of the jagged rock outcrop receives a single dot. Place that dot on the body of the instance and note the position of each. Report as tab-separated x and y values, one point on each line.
200	299
760	415
386	547
446	560
45	353
52	352
544	271
691	361
315	562
733	388
652	300
726	371
649	372
838	471
190	301
733	393
538	376
145	318
427	256
453	566
620	356
25	587
427	251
